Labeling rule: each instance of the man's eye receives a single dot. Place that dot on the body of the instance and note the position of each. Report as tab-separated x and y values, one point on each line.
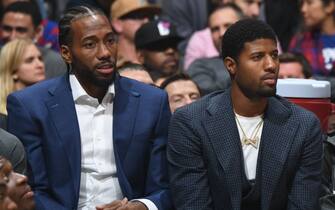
274	55
176	100
194	96
89	45
256	57
111	41
215	29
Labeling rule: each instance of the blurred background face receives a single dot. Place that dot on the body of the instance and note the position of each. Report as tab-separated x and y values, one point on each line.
315	12
181	93
31	69
219	22
5	202
290	70
164	59
17	25
17	187
250	8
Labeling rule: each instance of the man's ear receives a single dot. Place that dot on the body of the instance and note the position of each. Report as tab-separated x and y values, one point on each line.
230	64
140	56
38	32
330	7
117	26
66	54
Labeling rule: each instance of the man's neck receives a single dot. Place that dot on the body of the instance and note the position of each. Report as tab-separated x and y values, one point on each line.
245	106
93	90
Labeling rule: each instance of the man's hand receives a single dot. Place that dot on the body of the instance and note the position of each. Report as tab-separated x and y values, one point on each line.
133	205
123	205
114	205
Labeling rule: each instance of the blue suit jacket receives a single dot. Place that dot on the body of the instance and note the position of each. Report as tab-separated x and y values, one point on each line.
206	160
43	117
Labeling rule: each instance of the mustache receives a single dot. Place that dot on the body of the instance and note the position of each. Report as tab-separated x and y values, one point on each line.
109	63
171	59
269	76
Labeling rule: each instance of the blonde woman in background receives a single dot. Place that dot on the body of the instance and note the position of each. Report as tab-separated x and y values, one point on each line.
21	66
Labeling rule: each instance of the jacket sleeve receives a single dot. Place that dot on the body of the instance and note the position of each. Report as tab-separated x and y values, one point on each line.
187	169
21	124
306	184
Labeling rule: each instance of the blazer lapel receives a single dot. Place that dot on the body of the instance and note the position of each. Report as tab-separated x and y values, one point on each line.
63	115
126	103
276	141
223	135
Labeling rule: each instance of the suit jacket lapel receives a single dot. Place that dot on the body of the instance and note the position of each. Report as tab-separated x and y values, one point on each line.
126	103
63	115
224	137
276	141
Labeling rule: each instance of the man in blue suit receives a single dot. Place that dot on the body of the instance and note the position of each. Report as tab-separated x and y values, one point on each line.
245	148
94	139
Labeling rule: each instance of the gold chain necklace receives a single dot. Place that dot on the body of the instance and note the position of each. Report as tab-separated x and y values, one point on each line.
254	139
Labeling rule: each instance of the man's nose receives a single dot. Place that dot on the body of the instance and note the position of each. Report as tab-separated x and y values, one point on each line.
255	10
12	35
271	64
103	52
222	31
20	178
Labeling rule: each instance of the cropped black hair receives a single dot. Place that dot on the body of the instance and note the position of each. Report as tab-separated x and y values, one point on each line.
178	77
25	7
71	14
246	30
230	5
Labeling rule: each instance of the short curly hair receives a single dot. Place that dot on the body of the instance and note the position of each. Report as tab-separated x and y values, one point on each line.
246	30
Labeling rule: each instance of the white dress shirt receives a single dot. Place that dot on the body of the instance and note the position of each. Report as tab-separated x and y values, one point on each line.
98	182
250	153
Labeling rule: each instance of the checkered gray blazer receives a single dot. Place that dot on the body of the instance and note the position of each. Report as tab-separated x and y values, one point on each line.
205	156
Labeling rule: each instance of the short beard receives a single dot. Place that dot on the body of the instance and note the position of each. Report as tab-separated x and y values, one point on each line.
103	83
90	77
258	94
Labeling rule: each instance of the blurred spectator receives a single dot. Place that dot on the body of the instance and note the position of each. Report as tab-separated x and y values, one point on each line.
5	202
192	15
181	90
210	74
317	43
22	20
294	65
21	66
188	16
49	37
103	5
12	149
127	17
156	44
17	186
206	43
135	71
